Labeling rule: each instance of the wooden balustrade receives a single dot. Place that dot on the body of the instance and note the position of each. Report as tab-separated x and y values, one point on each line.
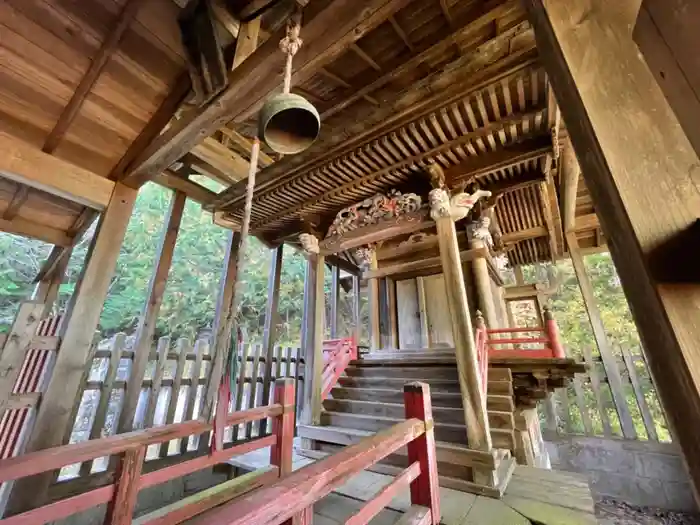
120	495
492	340
291	499
337	354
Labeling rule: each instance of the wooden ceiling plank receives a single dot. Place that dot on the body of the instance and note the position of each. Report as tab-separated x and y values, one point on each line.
25	164
264	159
258	77
440	43
99	61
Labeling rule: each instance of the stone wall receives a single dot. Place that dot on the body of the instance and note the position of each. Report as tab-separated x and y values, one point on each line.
636	472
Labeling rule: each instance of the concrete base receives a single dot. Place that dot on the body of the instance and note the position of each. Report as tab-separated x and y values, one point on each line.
639	473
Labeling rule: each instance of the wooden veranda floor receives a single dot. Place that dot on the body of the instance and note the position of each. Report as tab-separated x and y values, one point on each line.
533	496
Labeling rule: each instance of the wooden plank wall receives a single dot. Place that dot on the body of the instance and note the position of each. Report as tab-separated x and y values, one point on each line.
409	314
172	391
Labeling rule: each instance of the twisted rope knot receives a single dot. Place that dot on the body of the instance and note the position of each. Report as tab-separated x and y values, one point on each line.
291	43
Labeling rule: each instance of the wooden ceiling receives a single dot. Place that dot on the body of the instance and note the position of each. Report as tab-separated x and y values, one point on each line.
102	85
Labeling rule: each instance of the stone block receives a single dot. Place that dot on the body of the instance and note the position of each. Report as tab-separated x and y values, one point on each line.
679	496
630	489
668	467
609	456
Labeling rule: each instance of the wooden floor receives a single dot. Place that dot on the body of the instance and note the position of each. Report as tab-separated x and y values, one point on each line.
533	495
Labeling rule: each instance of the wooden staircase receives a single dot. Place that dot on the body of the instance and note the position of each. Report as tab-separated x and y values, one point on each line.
369	398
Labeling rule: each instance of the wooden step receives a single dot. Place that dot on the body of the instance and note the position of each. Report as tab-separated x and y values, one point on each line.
503	403
452	453
500	388
409	373
391	395
500	374
418	360
436	384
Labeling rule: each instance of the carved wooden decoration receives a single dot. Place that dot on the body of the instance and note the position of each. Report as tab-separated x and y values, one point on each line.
457	206
309	243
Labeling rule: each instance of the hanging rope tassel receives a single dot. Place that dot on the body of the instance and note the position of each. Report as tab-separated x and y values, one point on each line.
223	398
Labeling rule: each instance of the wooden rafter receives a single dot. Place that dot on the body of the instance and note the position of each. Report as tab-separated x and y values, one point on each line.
291	168
446	12
466	25
242	142
109	46
18	199
258	76
407	163
365	57
402	34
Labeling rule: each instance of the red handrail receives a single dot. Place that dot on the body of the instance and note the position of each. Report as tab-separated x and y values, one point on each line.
292	497
337	354
121	495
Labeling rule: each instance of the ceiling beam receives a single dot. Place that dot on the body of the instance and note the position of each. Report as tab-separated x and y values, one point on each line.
326	36
193	190
524	235
570	175
242	142
33	230
227	161
512	155
109	46
21	162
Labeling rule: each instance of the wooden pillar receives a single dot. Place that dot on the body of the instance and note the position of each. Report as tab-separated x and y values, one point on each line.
482	279
640	169
393	321
601	338
474	403
147	323
46	290
375	328
270	330
313	340
335	297
223	327
357	319
54	417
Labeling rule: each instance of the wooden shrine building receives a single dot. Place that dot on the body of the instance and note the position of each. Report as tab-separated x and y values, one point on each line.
458	140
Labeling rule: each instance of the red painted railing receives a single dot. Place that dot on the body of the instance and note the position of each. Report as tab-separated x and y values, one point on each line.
120	496
488	346
337	354
291	499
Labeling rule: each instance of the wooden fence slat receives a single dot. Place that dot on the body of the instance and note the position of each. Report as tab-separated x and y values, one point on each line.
241	384
163	347
563	395
183	347
252	398
595	385
639	395
288	368
98	423
581	402
278	365
550	413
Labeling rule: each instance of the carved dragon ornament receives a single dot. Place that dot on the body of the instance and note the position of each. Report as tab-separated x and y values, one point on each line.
456	206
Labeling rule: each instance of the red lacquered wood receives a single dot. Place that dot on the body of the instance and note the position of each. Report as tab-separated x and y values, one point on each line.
425	489
518	340
120	508
63	508
537	353
554	339
337	356
515	330
186	467
305	517
283	426
57	457
301	489
384	496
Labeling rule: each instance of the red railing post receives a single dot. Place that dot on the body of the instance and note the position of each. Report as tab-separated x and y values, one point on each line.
550	326
425	489
283	426
120	508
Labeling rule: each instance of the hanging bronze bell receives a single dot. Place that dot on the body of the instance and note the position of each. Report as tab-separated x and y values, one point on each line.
288	123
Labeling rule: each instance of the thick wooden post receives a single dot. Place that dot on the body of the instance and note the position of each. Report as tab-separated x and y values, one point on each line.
147	323
283	426
270	330
393	320
642	173
425	489
482	279
54	417
473	401
335	297
375	327
601	339
552	331
356	317
313	340
120	509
